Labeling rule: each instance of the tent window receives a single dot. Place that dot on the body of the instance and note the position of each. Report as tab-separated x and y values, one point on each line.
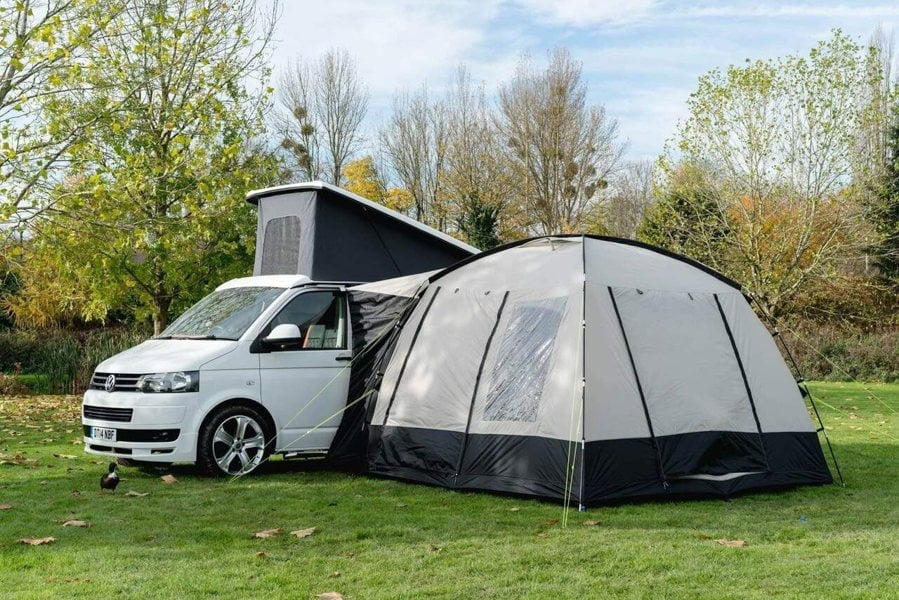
523	360
281	246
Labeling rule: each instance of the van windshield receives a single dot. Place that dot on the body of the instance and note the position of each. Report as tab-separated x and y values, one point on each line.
223	314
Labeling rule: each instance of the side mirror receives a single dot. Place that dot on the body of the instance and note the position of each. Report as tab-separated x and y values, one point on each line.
283	336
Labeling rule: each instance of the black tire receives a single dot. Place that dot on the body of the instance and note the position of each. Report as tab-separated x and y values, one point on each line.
234	441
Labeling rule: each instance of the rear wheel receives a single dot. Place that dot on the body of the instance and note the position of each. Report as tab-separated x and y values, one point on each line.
233	442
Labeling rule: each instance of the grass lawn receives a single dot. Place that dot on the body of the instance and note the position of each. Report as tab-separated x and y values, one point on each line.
377	538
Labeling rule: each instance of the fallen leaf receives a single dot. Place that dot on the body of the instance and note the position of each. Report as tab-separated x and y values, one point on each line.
591	523
76	523
301	533
267	533
261	554
5	506
731	543
168	479
401	505
66	456
37	541
335	574
330	596
134	494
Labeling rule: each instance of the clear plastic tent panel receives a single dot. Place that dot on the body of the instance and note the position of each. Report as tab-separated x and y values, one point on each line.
523	360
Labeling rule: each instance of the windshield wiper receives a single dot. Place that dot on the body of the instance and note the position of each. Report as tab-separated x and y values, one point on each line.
179	336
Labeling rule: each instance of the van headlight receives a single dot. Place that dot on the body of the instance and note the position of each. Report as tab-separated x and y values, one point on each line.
177	381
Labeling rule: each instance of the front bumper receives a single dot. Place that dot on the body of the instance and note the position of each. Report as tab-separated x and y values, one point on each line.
149	427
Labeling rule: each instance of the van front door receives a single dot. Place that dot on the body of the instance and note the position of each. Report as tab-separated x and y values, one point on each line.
304	382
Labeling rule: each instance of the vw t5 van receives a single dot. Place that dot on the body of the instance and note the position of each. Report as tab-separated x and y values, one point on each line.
261	365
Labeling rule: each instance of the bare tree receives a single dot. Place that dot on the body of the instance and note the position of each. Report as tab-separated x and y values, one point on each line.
631	193
415	142
564	150
478	182
322	105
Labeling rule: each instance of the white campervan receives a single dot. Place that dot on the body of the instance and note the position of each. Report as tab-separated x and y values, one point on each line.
258	366
262	364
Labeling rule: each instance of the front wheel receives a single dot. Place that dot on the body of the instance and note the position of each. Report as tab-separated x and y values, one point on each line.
233	442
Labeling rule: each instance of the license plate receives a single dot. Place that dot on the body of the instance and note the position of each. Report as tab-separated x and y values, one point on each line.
103	433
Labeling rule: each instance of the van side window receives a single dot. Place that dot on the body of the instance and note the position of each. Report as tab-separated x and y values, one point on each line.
321	317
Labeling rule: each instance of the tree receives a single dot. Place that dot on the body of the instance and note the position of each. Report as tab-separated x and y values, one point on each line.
884	212
415	142
41	46
362	178
478	182
630	196
564	151
322	107
152	205
778	139
687	218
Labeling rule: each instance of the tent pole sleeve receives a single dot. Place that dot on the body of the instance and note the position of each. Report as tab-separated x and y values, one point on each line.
808	393
582	503
408	353
733	345
630	355
477	384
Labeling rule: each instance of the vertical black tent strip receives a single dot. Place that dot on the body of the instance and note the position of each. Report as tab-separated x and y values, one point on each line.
801	384
399	377
733	344
477	383
630	355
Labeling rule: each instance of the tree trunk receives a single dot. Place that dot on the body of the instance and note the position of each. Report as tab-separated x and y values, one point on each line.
160	314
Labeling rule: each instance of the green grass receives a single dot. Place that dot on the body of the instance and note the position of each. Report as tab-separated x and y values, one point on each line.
378	538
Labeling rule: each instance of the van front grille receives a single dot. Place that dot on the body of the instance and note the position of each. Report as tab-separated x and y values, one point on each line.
122	382
108	413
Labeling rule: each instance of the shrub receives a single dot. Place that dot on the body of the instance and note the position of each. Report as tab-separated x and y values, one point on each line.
835	353
63	361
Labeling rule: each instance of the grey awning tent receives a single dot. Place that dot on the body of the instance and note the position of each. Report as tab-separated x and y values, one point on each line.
329	234
586	369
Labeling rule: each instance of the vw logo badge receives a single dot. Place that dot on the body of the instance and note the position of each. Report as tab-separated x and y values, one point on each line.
110	383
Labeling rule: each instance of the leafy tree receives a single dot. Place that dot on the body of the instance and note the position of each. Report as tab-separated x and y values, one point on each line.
779	139
42	43
479	223
152	205
884	212
363	178
687	218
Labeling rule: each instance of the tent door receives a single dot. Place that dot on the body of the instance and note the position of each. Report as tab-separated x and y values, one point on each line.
697	401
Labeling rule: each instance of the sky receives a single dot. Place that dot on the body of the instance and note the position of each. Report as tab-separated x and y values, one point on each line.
641	58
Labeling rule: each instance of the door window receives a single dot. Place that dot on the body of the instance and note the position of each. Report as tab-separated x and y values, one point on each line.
321	317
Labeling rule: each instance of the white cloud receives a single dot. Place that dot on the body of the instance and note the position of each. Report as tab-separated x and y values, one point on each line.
582	13
397	45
